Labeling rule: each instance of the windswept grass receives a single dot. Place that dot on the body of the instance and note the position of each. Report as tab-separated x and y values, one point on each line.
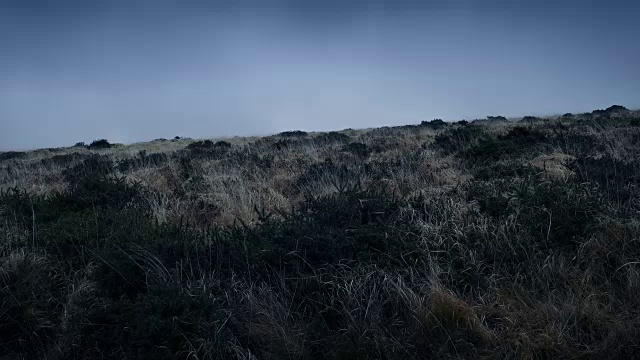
486	239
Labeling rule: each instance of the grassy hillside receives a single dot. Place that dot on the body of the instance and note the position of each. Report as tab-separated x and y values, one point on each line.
485	239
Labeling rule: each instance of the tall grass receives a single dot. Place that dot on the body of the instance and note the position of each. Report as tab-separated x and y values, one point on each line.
468	240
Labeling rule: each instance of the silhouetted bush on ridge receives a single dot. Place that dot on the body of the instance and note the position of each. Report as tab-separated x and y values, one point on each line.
294	133
100	144
434	124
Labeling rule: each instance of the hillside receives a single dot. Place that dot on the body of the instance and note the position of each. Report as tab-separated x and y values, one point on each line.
495	238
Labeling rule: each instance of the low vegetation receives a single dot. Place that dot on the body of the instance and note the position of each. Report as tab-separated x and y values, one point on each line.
487	239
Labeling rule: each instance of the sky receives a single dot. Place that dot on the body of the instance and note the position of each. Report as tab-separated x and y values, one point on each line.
128	71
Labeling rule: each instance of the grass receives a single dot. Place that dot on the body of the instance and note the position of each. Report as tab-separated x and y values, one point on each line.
489	239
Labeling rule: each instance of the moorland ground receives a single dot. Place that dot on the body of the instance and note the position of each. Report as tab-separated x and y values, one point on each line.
487	239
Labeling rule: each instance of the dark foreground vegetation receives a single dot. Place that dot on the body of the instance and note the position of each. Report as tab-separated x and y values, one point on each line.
487	239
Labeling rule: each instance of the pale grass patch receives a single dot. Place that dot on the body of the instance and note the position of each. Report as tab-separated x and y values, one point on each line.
443	172
446	310
553	166
150	177
35	179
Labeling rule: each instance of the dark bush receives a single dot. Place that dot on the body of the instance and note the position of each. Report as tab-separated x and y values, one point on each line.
574	142
616	108
294	133
28	287
530	119
525	134
620	180
100	144
359	149
222	144
55	149
161	323
318	234
207	149
9	155
519	141
551	213
611	110
284	144
91	189
80	144
331	137
382	144
496	118
458	139
96	166
434	124
199	145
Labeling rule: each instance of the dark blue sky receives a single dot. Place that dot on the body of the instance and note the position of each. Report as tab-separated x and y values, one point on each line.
74	70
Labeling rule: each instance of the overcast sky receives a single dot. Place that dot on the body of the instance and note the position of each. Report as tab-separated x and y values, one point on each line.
74	70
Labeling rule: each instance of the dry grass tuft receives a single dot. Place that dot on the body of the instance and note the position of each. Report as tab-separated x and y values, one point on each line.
447	311
553	166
